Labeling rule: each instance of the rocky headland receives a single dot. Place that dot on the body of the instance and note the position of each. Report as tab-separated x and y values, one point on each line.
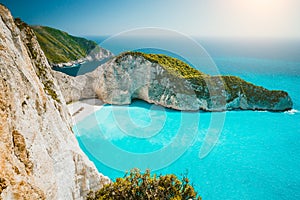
64	50
171	83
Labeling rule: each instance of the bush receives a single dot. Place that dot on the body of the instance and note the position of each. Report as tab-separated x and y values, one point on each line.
135	185
173	65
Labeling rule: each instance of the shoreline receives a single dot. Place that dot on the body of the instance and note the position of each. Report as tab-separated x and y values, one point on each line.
83	108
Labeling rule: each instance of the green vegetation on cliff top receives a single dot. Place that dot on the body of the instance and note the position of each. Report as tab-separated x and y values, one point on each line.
173	65
60	47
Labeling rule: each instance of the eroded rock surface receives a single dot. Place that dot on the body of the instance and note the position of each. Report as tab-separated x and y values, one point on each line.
39	155
138	76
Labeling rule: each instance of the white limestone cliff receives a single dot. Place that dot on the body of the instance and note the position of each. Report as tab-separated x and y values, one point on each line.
131	76
39	155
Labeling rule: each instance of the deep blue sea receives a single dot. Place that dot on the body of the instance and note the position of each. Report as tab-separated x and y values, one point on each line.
251	154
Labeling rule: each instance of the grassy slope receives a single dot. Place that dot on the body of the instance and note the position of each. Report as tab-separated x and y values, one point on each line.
60	47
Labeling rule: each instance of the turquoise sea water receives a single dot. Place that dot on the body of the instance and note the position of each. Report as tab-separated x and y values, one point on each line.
257	155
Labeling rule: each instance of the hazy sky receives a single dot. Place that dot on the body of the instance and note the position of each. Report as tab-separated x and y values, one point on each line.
214	18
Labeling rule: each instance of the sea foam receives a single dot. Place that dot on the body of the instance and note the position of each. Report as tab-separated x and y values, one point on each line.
292	111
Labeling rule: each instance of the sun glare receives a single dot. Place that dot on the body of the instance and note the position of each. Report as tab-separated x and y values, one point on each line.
264	6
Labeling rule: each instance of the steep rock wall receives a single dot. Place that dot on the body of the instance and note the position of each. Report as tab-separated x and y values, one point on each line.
39	155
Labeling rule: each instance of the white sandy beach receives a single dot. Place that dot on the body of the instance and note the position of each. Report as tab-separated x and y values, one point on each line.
83	108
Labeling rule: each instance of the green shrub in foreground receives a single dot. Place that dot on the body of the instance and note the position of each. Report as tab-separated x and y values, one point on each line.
135	186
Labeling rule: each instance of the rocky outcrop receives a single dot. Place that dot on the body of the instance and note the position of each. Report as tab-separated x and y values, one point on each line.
39	155
76	88
153	79
170	83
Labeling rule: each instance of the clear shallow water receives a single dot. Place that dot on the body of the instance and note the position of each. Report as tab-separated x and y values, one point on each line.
257	155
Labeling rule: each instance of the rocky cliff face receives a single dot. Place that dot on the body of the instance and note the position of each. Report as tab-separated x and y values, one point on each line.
168	82
39	155
139	76
76	88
